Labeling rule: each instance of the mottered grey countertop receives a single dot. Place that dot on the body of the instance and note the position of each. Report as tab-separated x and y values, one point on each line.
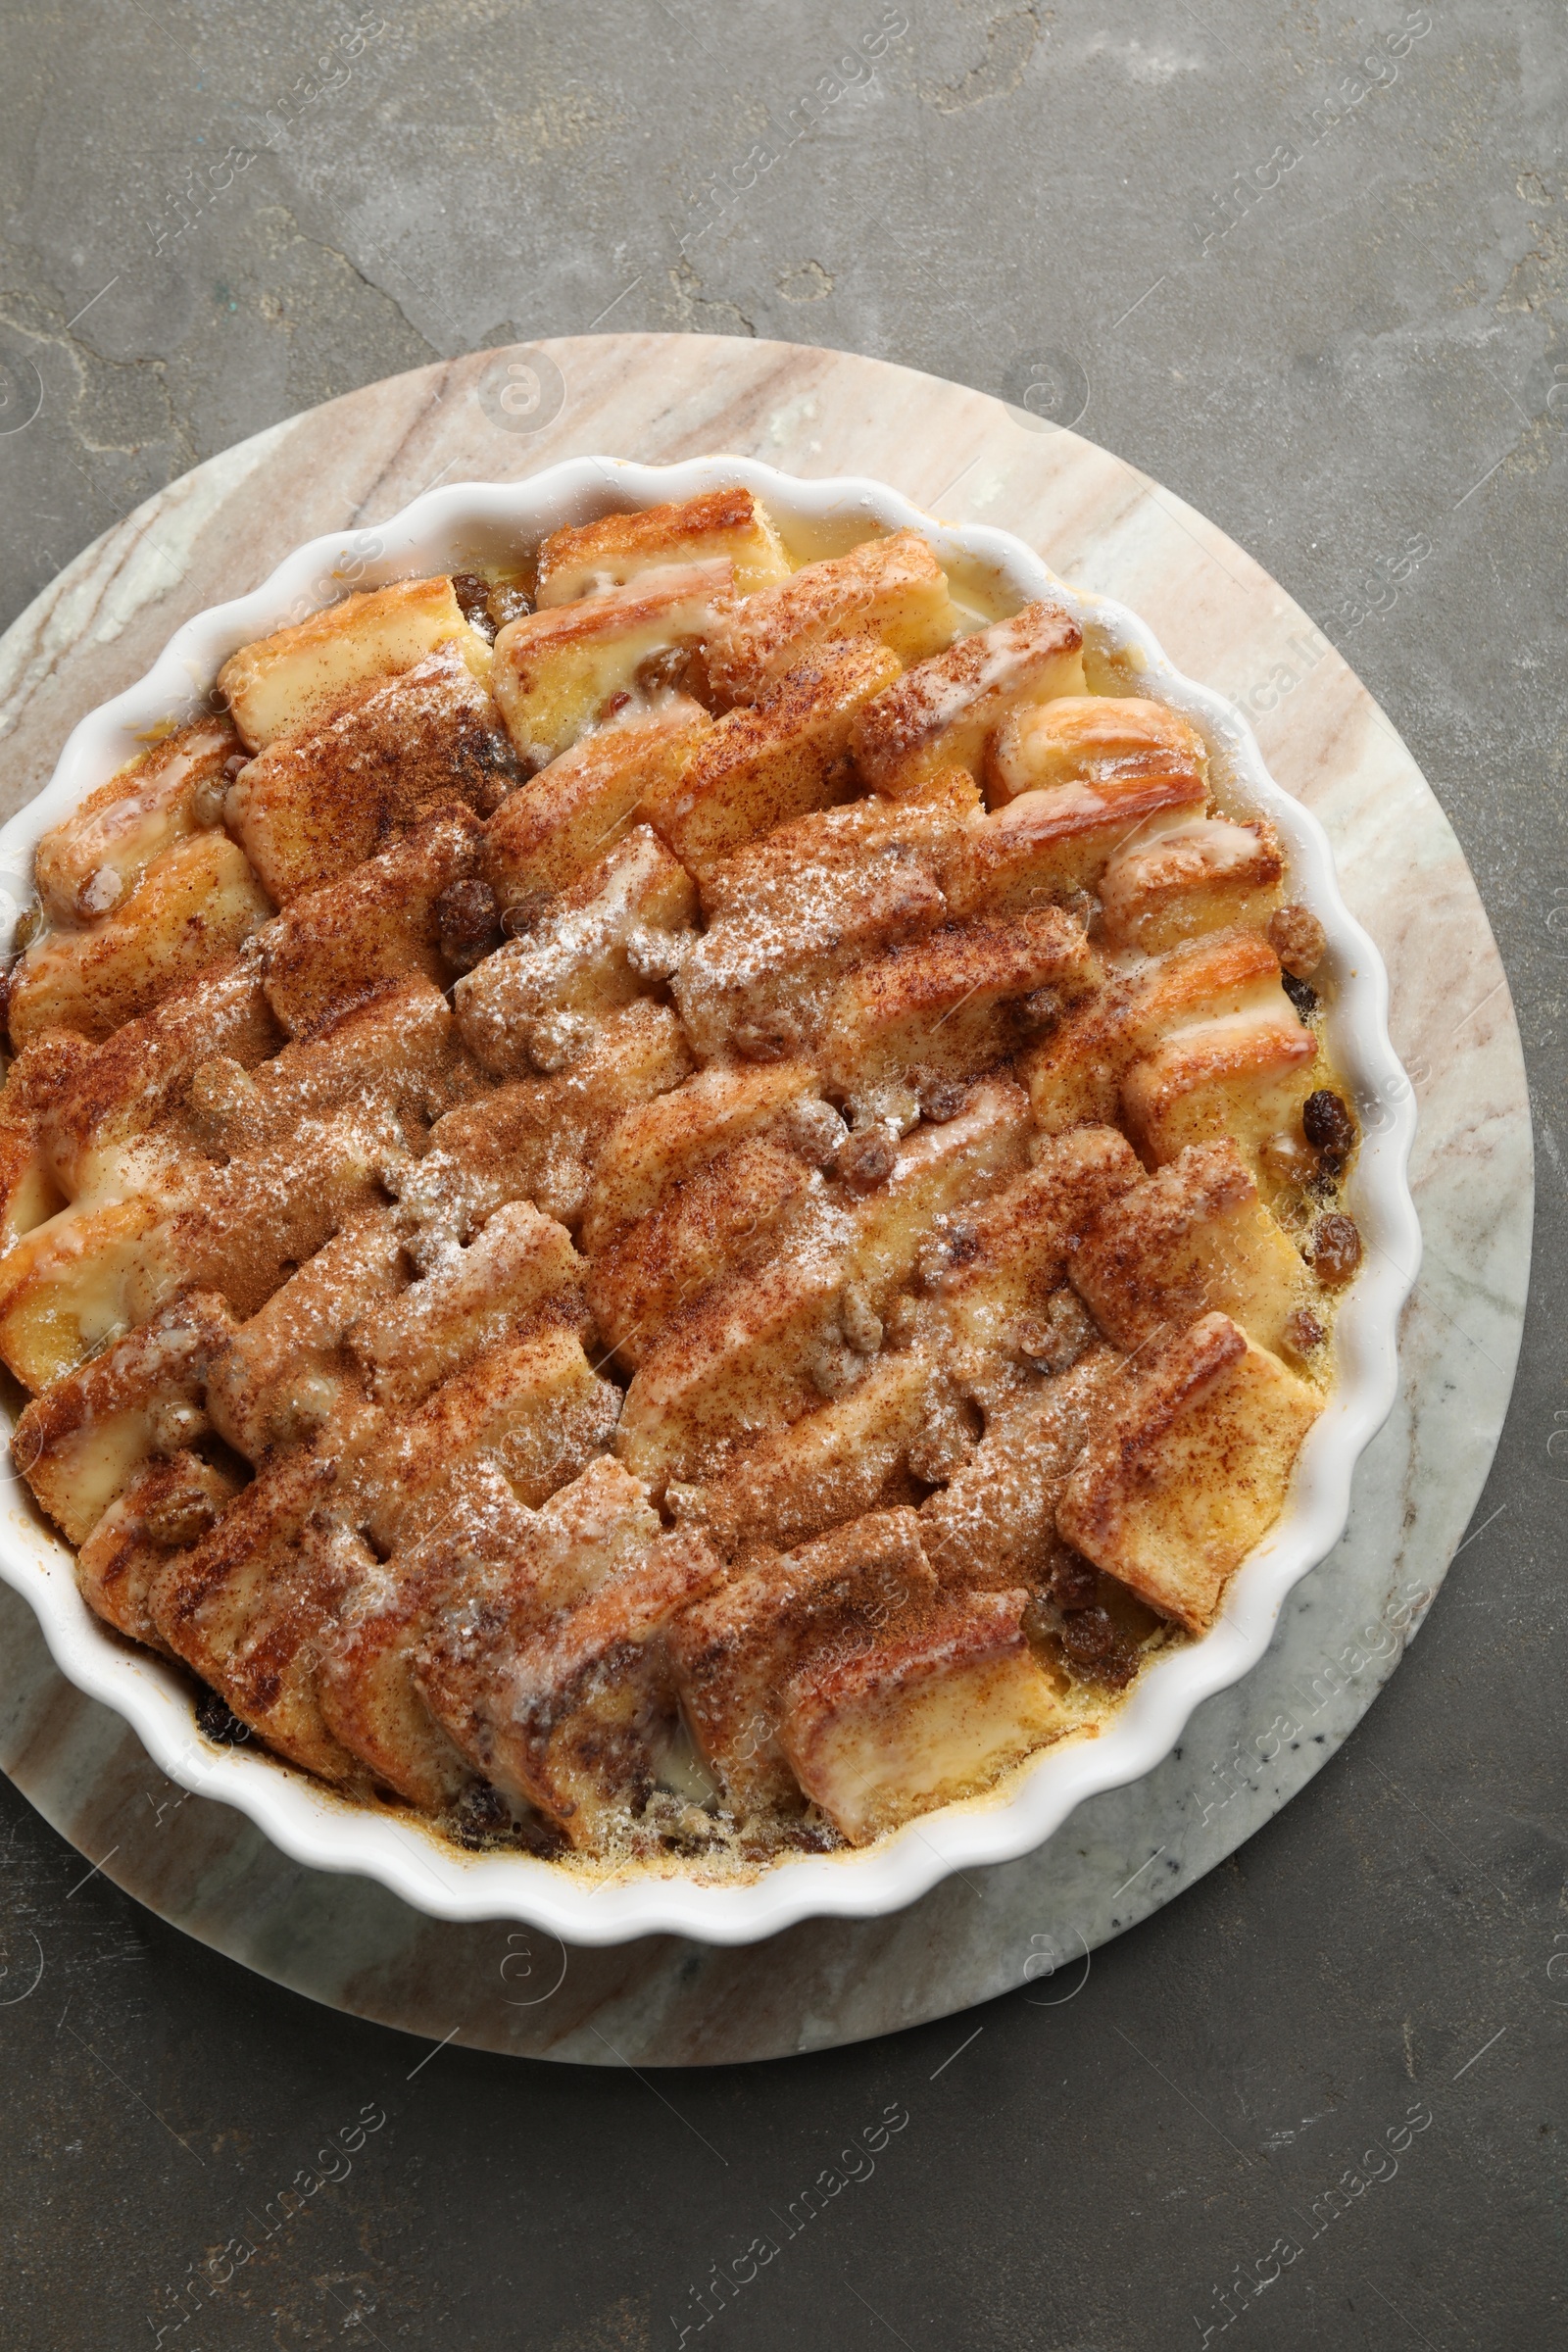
1307	269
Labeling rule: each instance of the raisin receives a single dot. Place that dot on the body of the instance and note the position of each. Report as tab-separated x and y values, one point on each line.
469	922
866	1159
943	1099
480	1815
1334	1250
1302	1330
1098	1647
1074	1582
1303	994
473	601
1327	1123
507	602
1039	1013
1297	938
215	1720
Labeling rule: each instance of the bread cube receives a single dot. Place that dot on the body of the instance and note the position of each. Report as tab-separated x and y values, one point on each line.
578	1720
1187	1467
1048	845
1075	1073
296	677
1245	1076
691	1186
102	1268
743	1359
539	1136
892	590
938	1166
993	1266
994	1524
944	712
736	1649
1207	875
79	1445
314	804
93	860
846	1459
548	834
1085	738
250	1607
534	1410
365	1683
139	1076
448	1614
660	1143
789	916
939	1007
1235	973
827	855
589	1532
286	1374
559	671
760	768
163	1510
587	558
333	945
77	1282
536	1001
1195	1237
193	905
930	1715
398	1052
38	1081
248	1224
730	1210
518	1267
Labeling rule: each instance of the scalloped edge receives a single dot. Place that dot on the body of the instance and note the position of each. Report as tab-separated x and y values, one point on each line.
441	531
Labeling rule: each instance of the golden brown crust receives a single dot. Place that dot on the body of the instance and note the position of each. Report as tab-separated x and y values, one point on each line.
1198	877
587	558
558	673
1085	738
735	1651
297	677
892	589
91	862
757	770
193	906
548	833
332	947
138	1077
919	1716
1195	1237
646	1147
82	1442
943	714
309	808
1186	1468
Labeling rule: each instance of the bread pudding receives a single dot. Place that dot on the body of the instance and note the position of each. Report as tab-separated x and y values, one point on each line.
672	1202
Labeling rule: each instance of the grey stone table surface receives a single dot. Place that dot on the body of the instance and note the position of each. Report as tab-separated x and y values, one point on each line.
1309	274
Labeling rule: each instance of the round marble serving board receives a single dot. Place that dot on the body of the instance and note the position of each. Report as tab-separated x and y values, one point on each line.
498	416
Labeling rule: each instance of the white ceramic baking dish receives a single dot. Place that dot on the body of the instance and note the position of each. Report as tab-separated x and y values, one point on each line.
452	528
